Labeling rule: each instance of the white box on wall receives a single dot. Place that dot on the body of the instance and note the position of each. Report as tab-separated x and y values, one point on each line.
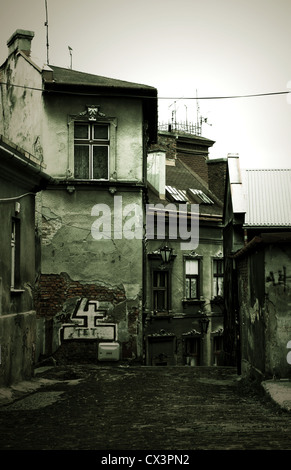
108	352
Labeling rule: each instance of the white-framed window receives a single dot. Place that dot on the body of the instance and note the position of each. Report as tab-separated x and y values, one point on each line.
218	274
192	279
91	150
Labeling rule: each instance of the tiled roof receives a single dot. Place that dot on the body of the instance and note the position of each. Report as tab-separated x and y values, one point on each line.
268	197
182	185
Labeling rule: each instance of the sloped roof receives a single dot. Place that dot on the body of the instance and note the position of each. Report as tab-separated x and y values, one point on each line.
65	76
182	185
63	80
268	197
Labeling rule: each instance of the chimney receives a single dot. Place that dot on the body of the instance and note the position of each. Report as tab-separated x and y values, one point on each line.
156	171
20	41
217	169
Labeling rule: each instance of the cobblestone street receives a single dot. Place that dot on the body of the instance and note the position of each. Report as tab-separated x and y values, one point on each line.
88	407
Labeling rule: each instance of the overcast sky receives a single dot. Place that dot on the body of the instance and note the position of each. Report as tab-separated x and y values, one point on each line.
215	48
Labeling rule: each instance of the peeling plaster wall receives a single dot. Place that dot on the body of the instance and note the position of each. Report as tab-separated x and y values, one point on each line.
75	265
21	120
252	331
43	124
264	287
126	134
278	308
17	340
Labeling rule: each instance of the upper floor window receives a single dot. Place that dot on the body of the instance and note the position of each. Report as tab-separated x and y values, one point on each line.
192	281
91	151
217	277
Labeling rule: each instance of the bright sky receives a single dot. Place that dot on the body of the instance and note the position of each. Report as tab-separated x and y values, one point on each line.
217	47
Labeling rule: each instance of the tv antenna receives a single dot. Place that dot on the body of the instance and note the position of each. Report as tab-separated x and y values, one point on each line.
70	51
199	119
47	37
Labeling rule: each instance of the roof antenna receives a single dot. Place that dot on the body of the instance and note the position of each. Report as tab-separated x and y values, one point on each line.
47	39
70	51
198	127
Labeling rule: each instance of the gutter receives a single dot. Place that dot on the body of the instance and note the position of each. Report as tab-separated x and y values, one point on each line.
24	160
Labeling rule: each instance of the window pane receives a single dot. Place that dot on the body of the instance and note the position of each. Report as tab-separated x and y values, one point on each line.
191	266
100	162
218	286
160	278
160	300
218	266
81	161
100	132
81	131
187	288
193	288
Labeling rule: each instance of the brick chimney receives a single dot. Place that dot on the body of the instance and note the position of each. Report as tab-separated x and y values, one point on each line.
217	176
20	41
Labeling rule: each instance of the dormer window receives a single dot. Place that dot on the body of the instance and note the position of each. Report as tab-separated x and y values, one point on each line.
91	151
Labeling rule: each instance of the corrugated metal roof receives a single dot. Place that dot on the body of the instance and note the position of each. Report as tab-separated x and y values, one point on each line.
268	194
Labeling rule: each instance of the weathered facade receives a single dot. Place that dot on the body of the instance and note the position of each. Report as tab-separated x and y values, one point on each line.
21	177
92	133
257	244
184	311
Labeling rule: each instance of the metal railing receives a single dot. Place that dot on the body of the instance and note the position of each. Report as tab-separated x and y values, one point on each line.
181	127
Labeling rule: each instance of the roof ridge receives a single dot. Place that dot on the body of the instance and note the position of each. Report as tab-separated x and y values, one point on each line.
266	169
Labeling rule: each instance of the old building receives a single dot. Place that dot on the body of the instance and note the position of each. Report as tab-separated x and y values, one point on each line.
21	177
257	246
92	134
183	322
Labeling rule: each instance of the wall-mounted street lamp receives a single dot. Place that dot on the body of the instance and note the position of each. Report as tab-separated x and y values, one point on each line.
165	253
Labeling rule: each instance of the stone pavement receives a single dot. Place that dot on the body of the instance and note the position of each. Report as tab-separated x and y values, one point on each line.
279	391
119	408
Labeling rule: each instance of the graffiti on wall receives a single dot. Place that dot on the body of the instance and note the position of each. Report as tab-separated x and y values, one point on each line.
88	322
279	278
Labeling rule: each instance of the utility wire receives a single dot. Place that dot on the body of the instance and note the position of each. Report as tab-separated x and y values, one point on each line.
255	95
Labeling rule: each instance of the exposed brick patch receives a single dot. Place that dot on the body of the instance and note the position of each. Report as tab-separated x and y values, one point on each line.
52	290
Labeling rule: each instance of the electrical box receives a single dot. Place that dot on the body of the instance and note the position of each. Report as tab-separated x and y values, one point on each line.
108	352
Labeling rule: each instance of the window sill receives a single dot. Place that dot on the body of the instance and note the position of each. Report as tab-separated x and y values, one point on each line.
193	301
165	313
